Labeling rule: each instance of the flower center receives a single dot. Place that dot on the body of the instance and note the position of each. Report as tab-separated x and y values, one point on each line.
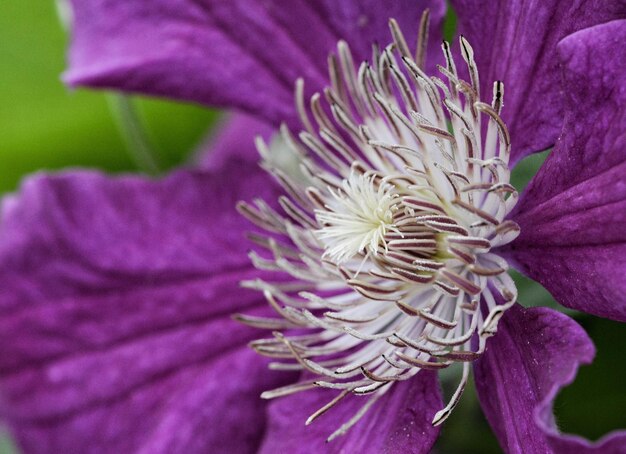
358	218
389	241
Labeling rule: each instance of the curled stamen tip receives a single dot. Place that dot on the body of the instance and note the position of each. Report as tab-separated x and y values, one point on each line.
250	283
440	417
466	47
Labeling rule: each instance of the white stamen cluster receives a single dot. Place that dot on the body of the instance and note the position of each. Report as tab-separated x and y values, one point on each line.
358	218
387	231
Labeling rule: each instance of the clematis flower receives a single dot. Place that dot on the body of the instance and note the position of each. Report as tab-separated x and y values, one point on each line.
118	292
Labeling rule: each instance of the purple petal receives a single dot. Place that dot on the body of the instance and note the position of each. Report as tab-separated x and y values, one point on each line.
535	353
573	213
614	443
240	53
115	329
234	138
400	422
515	41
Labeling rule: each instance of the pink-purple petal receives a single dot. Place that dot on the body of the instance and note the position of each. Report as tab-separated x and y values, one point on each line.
573	213
534	354
515	41
613	443
399	422
234	140
241	54
194	409
115	328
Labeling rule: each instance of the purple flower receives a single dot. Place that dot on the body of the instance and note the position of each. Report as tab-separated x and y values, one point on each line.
117	295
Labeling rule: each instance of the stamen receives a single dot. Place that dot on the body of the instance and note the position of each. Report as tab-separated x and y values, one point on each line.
400	193
443	414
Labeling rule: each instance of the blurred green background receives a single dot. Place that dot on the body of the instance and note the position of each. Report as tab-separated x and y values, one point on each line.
46	127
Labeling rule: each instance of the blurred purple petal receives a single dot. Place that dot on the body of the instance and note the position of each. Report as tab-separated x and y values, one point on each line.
243	54
534	354
613	443
573	213
115	314
233	137
515	41
400	422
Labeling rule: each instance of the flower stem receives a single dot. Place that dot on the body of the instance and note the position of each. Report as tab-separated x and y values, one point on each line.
137	141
